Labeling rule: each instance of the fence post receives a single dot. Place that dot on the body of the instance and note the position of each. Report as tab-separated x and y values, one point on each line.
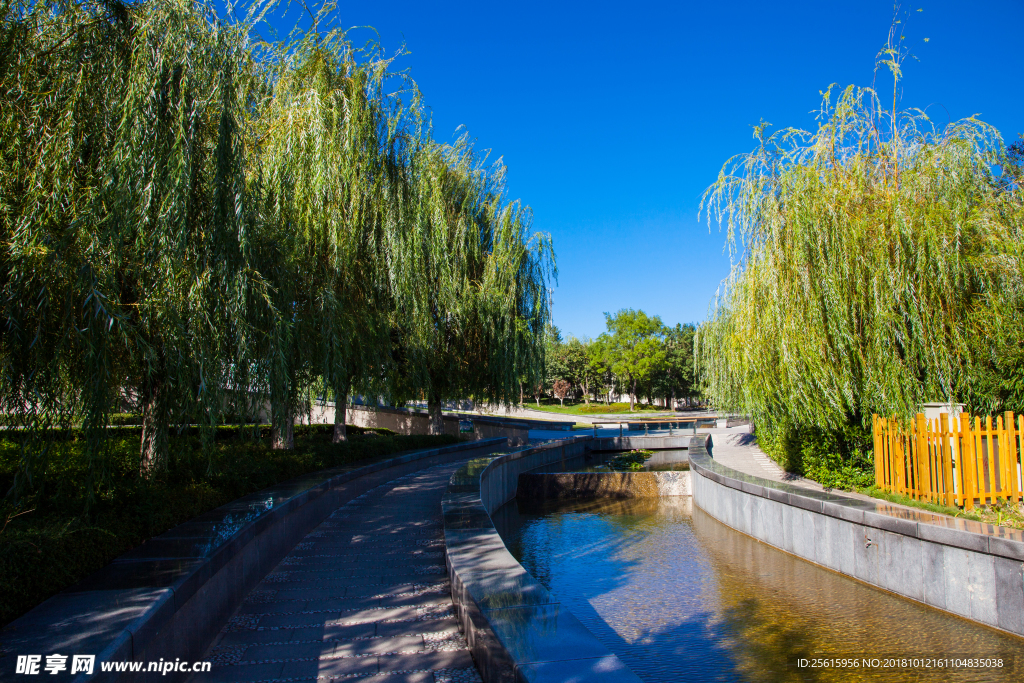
876	432
1019	447
1007	458
924	478
899	458
1000	425
890	455
987	461
946	458
967	461
1014	430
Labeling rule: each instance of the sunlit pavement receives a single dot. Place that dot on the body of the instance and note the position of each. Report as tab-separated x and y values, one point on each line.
365	594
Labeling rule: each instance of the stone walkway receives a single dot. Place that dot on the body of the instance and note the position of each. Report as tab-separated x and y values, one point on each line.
364	596
737	448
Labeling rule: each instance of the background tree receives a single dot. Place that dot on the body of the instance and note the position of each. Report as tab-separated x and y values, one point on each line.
323	162
633	343
676	379
473	287
560	389
579	370
599	363
555	361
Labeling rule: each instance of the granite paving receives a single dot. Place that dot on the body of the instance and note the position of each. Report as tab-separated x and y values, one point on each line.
364	596
737	448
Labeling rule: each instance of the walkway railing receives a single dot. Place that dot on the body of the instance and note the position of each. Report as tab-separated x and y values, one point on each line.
951	461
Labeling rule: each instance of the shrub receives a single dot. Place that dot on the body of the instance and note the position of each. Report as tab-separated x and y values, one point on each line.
631	461
835	459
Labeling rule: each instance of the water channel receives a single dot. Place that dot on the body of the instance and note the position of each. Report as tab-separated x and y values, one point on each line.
678	596
666	460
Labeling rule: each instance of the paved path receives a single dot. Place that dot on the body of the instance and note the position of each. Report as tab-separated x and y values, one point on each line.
364	596
737	448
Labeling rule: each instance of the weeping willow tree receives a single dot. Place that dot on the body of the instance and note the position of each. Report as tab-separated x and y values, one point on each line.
878	255
471	282
324	159
196	222
124	216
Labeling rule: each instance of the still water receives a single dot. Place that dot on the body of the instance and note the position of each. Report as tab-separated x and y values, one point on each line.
680	597
668	460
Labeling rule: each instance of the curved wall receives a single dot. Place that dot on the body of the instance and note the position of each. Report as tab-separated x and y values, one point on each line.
516	630
405	421
970	569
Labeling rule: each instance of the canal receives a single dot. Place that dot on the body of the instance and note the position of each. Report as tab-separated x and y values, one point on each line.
679	596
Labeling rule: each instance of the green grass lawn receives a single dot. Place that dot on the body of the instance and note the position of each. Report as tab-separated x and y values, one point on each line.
595	408
48	542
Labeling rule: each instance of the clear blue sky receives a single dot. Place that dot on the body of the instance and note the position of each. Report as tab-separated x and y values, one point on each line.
614	117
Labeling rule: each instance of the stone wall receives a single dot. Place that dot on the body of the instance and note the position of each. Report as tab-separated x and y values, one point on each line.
584	485
412	422
516	630
967	568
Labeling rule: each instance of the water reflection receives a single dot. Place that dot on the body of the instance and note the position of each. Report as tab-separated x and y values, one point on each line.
667	460
679	596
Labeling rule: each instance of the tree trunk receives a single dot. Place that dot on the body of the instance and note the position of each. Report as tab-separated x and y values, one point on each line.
340	433
632	397
436	425
282	432
153	449
520	394
562	401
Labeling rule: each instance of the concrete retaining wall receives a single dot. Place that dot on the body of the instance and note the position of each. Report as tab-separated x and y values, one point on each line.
967	568
585	485
414	422
627	443
516	630
169	597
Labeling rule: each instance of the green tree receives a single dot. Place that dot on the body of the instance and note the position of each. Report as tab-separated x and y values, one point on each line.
195	221
676	379
599	366
125	272
474	285
555	360
879	255
579	367
324	160
634	345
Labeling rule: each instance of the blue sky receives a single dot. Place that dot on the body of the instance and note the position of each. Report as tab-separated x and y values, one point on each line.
614	117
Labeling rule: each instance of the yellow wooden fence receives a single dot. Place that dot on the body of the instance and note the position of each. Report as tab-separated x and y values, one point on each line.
960	461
